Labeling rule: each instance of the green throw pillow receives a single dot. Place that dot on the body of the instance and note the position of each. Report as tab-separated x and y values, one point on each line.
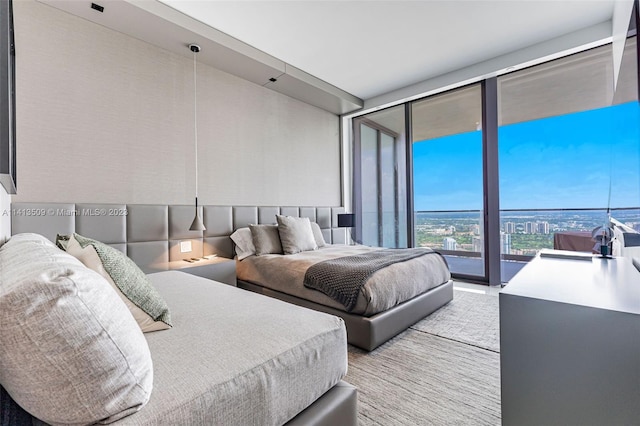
130	279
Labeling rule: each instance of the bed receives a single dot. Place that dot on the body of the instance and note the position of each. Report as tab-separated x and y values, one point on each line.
392	298
231	357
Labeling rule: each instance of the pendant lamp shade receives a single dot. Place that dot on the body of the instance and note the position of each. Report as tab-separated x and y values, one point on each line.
197	224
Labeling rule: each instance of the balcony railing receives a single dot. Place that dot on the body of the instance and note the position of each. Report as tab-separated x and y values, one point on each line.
524	231
458	234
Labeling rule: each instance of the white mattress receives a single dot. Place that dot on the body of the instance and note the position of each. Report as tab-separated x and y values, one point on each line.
237	358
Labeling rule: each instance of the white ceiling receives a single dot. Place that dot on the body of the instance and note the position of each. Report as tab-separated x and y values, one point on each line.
368	48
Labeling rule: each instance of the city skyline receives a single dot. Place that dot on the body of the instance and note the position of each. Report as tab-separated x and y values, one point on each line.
566	161
531	230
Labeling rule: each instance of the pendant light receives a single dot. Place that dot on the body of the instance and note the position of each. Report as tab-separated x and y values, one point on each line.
197	224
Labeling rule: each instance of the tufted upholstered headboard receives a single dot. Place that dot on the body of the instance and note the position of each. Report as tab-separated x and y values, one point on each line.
150	234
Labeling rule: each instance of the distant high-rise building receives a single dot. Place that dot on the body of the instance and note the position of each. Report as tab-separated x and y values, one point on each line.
505	243
509	227
475	229
530	228
543	228
449	244
452	229
477	244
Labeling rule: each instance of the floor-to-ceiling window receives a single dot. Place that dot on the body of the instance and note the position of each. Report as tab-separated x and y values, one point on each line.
448	177
564	147
568	150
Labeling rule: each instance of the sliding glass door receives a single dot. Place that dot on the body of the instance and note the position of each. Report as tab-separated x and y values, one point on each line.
448	178
380	172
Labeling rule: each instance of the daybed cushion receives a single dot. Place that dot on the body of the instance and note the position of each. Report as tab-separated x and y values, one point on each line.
296	234
70	351
237	358
132	285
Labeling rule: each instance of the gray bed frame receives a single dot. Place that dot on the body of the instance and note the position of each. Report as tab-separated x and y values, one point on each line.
151	235
370	332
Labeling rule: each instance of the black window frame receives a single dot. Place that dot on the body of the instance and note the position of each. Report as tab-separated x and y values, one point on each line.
8	157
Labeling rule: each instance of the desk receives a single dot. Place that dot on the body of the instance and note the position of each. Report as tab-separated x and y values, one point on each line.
215	268
570	343
574	241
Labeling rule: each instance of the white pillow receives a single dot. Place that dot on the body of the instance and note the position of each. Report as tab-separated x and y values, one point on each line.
244	243
296	234
70	350
317	234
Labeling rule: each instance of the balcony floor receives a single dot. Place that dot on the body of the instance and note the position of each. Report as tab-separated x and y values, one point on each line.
474	266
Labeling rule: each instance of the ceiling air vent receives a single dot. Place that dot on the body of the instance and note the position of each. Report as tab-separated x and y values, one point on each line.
97	7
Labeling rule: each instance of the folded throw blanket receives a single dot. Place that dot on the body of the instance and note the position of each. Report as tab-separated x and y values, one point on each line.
342	278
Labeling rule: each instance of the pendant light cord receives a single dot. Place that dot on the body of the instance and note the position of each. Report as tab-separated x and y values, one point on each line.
195	118
197	224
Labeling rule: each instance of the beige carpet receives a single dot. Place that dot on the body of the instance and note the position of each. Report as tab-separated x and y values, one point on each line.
470	318
421	378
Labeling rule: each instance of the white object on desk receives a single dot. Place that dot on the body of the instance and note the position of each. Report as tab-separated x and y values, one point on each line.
566	254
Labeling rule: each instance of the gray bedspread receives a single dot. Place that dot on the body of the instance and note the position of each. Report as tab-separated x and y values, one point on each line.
237	358
343	278
384	289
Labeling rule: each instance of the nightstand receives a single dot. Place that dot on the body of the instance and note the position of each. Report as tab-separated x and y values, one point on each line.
215	268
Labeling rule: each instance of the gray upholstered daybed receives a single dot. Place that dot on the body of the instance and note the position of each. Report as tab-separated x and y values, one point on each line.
234	358
151	236
69	350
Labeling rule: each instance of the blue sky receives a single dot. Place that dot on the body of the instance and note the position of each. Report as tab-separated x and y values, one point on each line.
559	162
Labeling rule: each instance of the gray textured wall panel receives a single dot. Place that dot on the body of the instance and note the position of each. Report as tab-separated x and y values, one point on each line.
114	124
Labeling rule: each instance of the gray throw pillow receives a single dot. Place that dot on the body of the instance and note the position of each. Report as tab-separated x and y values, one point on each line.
296	234
70	351
266	239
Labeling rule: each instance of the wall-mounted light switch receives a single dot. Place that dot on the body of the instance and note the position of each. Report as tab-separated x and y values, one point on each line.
185	246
